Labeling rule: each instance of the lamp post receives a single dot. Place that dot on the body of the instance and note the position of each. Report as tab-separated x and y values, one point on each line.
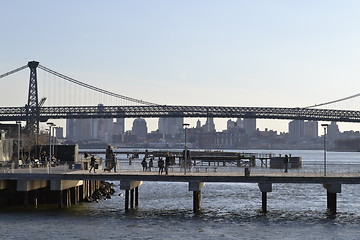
50	124
18	145
186	125
325	132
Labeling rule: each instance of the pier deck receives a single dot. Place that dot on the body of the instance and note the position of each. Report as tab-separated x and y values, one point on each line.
130	180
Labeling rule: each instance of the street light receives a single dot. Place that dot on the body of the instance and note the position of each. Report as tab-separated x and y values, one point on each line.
325	128
186	125
18	147
50	124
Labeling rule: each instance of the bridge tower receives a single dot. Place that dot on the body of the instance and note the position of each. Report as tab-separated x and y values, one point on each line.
32	107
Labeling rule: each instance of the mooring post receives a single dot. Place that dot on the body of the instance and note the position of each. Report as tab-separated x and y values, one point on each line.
332	190
196	187
264	188
136	196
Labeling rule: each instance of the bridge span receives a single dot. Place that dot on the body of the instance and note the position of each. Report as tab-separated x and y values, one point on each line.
155	111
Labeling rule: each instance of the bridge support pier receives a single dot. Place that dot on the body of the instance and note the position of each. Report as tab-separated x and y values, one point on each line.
332	190
196	187
131	193
264	188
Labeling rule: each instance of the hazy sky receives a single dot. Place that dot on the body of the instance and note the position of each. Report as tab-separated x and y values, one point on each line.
226	53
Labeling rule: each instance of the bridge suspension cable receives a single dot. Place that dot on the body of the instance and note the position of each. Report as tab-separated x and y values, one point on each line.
95	88
13	71
334	101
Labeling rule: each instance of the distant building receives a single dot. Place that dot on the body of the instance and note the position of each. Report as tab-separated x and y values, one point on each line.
333	131
139	128
119	126
311	130
90	129
198	123
171	126
249	125
209	126
296	130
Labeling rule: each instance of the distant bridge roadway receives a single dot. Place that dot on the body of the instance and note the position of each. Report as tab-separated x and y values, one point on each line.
155	111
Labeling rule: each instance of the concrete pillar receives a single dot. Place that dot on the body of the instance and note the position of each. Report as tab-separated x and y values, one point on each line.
196	187
264	188
332	190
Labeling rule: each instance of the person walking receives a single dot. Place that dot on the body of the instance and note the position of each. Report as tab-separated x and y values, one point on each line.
92	163
286	163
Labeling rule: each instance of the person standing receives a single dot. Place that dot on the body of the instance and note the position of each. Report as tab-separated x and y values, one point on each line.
161	165
92	163
151	164
144	164
167	164
286	163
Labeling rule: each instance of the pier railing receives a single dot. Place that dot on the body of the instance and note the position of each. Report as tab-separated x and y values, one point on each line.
134	166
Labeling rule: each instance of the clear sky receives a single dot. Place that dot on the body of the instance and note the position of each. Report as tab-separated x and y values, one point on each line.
227	53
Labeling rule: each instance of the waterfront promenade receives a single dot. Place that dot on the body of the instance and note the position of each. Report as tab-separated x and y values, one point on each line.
61	178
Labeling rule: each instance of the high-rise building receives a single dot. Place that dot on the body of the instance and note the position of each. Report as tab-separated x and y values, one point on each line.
333	131
139	128
119	126
311	129
249	125
296	130
170	126
209	126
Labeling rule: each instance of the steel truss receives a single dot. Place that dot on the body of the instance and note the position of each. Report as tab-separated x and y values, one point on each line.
71	112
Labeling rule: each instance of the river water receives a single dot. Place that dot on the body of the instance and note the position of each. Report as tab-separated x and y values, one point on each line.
229	211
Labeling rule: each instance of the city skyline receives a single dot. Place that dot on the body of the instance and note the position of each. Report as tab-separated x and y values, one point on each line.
238	53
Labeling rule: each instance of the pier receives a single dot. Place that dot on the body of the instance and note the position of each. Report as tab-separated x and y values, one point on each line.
71	186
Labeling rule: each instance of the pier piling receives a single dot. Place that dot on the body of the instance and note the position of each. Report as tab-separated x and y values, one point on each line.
131	193
332	190
196	187
264	188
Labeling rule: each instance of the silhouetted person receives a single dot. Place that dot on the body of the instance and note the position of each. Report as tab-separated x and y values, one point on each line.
286	163
161	165
151	164
144	164
92	163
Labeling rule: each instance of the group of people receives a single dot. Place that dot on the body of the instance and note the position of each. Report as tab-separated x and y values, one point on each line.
162	165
